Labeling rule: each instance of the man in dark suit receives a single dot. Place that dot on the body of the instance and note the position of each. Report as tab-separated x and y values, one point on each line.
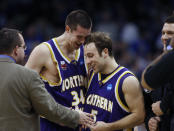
159	77
23	96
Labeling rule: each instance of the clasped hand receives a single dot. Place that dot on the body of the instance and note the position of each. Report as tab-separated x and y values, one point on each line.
156	108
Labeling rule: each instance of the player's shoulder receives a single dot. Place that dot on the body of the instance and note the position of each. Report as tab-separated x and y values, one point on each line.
41	50
42	47
131	83
131	80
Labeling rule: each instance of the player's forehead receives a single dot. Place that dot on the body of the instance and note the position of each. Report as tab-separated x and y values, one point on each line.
81	31
90	48
168	27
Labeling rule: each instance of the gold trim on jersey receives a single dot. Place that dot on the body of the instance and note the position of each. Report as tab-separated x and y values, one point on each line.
86	66
110	76
124	107
57	67
64	56
77	56
89	82
52	84
106	79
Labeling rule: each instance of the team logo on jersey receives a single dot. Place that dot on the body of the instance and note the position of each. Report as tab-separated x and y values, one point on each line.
81	62
63	65
109	87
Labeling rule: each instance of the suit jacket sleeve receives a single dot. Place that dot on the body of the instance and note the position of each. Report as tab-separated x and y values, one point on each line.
161	72
165	104
44	104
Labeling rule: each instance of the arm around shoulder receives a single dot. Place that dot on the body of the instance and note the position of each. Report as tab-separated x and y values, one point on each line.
159	72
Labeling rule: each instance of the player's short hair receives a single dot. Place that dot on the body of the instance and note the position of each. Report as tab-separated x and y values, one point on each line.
78	17
170	19
9	39
101	41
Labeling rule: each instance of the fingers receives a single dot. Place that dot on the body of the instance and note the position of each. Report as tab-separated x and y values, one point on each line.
157	118
84	126
89	118
156	108
89	115
89	121
85	118
91	126
153	124
157	112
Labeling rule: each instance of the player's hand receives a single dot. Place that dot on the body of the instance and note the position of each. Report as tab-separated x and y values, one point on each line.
85	118
100	126
156	108
153	123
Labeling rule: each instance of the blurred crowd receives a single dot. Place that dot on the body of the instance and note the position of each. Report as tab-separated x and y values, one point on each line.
134	27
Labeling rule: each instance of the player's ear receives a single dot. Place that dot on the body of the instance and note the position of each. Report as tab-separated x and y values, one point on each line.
105	52
67	28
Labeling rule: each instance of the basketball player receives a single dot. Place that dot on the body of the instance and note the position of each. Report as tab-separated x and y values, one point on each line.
60	63
114	95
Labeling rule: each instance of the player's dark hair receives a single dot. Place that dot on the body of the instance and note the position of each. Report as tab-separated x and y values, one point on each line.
78	17
101	41
170	19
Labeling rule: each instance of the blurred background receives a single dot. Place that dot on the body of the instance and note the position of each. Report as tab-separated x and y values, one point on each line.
134	25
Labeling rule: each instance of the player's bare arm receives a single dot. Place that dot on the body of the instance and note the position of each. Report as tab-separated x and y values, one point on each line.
38	58
134	99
